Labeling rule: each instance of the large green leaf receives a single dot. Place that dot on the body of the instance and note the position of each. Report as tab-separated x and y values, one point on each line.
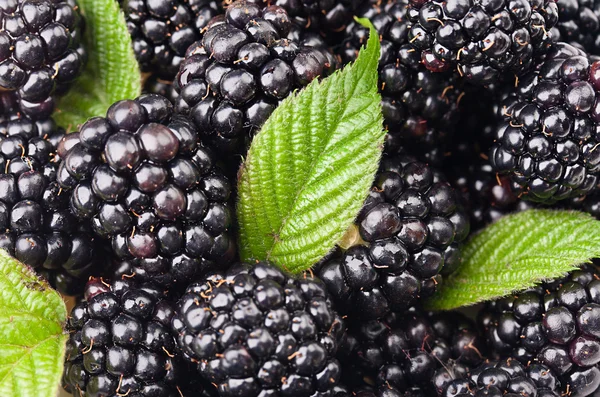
310	167
518	252
32	341
112	72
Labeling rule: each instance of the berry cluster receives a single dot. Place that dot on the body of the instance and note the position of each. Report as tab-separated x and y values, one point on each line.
556	324
141	178
412	223
547	143
255	331
161	31
232	80
420	107
40	51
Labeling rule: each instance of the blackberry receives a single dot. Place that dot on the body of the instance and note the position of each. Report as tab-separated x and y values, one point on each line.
40	51
119	343
255	331
420	108
412	224
547	141
405	355
485	42
579	24
505	378
232	80
146	182
557	324
36	225
328	17
161	31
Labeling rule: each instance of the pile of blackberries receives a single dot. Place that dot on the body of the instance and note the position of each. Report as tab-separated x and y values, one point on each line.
490	108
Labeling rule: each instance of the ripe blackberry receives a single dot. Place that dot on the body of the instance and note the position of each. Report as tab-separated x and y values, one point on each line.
557	324
485	42
547	143
40	51
254	331
161	31
412	224
328	17
405	355
232	80
579	24
505	378
420	108
119	343
36	225
145	181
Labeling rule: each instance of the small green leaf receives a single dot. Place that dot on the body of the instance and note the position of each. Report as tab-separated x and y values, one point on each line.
32	341
518	252
112	72
310	168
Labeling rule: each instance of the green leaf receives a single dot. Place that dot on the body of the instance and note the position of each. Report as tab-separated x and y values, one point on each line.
32	342
112	72
310	168
518	252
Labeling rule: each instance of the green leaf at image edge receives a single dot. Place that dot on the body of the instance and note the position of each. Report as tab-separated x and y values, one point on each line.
111	73
311	166
518	252
32	341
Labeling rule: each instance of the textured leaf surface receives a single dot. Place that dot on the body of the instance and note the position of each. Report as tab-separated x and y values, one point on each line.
310	168
112	72
32	342
518	252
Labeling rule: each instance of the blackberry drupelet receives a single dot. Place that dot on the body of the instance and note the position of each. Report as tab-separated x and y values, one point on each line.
146	182
119	343
36	225
255	331
557	324
505	378
420	108
161	31
412	223
485	42
40	51
232	80
409	353
547	144
579	24
155	85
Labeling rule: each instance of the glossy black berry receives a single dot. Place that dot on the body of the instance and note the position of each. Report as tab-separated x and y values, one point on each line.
254	331
412	224
40	51
482	42
403	353
231	80
36	225
557	324
119	343
144	180
546	143
161	31
420	108
507	377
